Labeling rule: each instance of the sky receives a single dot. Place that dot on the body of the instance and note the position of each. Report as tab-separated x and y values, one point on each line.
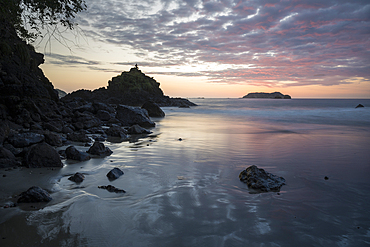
201	48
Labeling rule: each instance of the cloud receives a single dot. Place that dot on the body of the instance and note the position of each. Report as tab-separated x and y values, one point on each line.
259	42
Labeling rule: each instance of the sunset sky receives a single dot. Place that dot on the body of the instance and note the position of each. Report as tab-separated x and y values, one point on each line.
200	48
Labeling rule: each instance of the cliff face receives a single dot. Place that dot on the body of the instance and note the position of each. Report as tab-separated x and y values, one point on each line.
24	89
275	95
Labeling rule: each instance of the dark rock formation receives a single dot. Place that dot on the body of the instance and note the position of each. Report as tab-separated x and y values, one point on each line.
34	194
7	158
359	106
79	136
73	154
129	115
275	95
53	139
98	148
153	109
261	180
77	177
116	131
26	95
111	188
132	88
137	130
42	155
21	140
114	173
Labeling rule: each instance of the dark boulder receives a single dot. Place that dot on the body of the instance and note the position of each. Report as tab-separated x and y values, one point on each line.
98	148
259	179
116	131
78	136
137	130
21	140
359	106
111	188
73	154
77	177
53	139
153	109
42	155
55	126
129	115
114	173
103	115
104	107
7	158
34	194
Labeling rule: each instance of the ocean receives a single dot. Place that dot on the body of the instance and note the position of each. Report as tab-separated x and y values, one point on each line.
182	186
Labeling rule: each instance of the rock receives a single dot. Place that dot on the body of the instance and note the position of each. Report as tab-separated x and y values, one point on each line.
129	115
114	173
111	188
77	177
261	180
11	148
4	131
116	131
184	106
73	154
42	155
104	107
326	178
98	148
359	106
78	136
137	129
153	109
103	115
21	140
7	158
55	126
53	139
34	194
67	130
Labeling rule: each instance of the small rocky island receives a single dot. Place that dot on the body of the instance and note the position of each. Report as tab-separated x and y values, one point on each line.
275	95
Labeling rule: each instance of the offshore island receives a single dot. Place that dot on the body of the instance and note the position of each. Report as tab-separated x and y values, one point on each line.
275	95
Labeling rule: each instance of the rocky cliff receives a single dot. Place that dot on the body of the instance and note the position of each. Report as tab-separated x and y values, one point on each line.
130	88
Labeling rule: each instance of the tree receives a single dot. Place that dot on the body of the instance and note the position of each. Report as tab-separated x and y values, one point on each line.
28	17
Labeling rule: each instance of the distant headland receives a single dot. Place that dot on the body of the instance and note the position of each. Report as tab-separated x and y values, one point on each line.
275	95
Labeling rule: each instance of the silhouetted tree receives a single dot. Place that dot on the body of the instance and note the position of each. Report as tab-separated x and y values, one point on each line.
28	17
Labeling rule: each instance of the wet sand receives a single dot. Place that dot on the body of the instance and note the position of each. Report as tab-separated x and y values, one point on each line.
187	193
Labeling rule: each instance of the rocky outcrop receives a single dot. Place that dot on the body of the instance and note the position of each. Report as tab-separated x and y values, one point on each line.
34	194
137	130
114	173
275	95
359	106
260	180
132	88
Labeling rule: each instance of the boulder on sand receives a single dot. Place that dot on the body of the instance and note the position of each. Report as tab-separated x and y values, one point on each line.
73	154
34	194
42	155
129	115
98	148
259	179
77	177
114	173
